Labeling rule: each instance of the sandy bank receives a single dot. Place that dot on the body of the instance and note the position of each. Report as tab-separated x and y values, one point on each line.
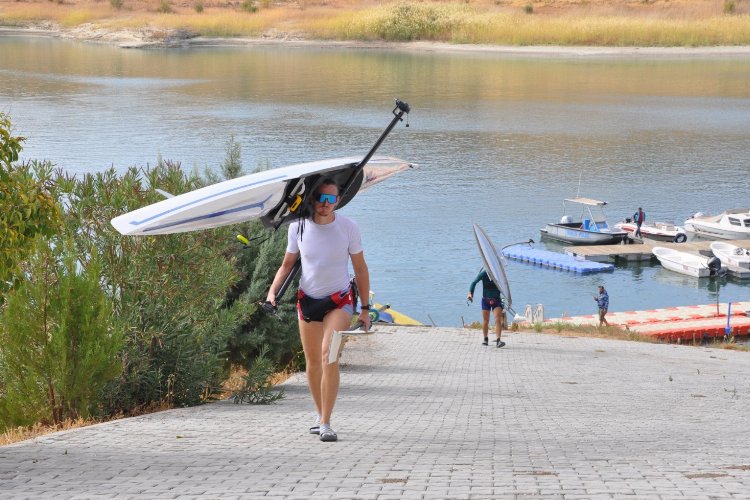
151	38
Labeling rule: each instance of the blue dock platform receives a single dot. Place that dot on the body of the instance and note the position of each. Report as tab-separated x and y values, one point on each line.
555	260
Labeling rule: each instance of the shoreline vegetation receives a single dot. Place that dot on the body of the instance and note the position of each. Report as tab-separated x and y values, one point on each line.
577	27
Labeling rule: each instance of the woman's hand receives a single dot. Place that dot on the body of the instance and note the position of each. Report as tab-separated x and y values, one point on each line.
364	317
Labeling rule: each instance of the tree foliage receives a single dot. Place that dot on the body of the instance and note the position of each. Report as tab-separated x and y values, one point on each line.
26	208
59	339
180	309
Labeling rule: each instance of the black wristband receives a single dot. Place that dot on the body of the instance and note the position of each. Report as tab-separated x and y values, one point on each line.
365	308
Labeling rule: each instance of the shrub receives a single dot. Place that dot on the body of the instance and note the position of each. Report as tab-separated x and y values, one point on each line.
257	387
249	6
116	4
528	8
27	208
198	6
165	7
412	21
59	339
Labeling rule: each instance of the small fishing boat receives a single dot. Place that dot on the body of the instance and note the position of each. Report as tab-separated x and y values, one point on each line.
733	224
583	223
657	231
731	255
688	263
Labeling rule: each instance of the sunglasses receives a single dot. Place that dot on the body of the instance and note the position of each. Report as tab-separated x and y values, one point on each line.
330	198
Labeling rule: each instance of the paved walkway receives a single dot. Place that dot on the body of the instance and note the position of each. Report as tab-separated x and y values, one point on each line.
431	413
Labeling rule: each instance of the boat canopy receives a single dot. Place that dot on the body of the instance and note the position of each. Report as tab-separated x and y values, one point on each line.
586	201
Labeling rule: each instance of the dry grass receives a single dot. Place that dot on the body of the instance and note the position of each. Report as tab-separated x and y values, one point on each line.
234	382
607	332
23	433
614	332
502	22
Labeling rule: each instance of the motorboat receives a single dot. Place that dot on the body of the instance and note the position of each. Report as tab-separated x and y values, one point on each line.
731	255
688	263
733	224
583	223
657	231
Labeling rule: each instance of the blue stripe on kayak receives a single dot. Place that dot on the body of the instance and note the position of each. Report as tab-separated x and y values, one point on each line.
211	215
148	219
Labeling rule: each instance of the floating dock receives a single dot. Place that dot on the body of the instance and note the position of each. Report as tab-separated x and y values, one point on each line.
676	324
555	260
644	252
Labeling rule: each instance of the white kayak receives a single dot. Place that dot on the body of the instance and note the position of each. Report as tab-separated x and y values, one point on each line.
269	195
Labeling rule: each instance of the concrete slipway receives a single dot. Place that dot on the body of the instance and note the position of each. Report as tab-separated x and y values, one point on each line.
431	413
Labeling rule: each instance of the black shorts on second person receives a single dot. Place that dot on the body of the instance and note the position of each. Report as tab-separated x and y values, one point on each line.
490	304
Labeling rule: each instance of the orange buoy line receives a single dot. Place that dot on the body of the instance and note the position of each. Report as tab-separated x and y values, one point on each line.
677	324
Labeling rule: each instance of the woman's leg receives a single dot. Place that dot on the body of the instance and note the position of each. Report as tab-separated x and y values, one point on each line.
338	320
311	335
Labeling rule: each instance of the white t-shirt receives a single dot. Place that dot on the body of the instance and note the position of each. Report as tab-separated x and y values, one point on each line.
325	250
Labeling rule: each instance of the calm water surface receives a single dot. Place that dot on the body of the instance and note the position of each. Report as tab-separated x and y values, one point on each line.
500	140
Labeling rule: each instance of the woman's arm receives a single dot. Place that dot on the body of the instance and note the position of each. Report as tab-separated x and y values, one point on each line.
286	267
362	276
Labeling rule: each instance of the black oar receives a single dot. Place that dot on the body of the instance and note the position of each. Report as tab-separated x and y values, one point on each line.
270	308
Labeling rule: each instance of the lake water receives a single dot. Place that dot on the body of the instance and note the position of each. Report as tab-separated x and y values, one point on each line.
500	140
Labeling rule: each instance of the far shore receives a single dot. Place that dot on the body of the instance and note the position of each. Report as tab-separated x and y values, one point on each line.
145	39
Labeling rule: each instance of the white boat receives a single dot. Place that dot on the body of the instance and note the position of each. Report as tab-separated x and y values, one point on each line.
688	263
583	223
657	231
733	224
731	255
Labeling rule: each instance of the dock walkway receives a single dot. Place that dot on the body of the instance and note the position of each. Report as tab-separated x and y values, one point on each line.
430	413
638	252
676	324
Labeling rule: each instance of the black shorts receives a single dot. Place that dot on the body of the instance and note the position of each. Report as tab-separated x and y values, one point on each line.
310	309
490	304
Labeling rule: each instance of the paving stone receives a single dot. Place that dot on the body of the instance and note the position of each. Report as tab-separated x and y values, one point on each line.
431	413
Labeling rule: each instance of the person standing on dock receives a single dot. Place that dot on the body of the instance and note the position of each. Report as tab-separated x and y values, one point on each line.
602	300
491	301
638	218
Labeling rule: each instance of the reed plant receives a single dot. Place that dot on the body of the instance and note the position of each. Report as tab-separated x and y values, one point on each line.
77	18
206	23
461	23
456	21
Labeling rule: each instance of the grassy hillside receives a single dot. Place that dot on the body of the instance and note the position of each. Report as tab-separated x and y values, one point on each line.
624	23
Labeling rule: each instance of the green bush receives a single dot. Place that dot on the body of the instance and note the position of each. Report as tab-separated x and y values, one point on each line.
165	7
414	21
59	339
27	209
198	6
189	302
257	387
249	6
169	290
